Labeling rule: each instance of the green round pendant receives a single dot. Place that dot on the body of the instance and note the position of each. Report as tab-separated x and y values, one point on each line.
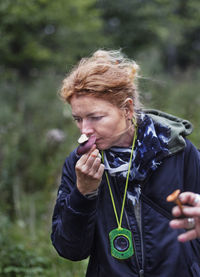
121	243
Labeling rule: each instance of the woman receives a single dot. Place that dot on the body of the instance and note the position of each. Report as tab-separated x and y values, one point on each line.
114	208
192	212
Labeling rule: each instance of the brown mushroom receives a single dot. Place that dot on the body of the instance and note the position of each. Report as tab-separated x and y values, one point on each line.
174	197
86	144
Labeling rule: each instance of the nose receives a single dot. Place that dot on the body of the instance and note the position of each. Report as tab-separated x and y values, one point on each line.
86	127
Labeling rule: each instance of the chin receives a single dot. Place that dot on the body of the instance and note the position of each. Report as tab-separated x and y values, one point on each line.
103	147
103	144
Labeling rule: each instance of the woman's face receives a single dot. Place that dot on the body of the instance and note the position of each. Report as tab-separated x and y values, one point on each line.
107	122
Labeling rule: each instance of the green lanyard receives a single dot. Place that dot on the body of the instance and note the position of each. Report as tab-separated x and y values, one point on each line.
119	221
121	238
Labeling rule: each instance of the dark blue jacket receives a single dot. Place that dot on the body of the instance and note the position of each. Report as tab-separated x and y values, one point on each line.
81	225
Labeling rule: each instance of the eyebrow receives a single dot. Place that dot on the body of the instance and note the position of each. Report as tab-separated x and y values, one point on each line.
90	114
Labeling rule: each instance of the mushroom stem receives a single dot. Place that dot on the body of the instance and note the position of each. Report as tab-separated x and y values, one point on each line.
178	202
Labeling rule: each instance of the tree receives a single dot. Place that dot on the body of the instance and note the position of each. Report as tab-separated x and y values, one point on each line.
37	34
171	27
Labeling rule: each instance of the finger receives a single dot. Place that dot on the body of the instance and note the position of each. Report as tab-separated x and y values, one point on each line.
93	160
177	223
92	149
176	211
83	159
95	166
189	198
191	211
99	173
186	223
94	153
189	235
86	160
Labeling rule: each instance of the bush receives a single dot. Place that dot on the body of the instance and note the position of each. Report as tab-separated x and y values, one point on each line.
17	261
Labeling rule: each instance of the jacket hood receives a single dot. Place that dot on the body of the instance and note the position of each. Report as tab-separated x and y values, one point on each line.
179	128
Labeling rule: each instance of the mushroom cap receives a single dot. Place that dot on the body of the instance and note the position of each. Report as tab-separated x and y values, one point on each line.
83	138
173	196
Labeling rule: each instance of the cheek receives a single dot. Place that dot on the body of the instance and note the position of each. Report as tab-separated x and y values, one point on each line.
109	132
108	127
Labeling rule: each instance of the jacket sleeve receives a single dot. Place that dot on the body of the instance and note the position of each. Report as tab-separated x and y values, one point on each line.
192	183
192	168
73	218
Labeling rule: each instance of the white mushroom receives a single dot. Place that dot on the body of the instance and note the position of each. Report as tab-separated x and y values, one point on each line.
83	138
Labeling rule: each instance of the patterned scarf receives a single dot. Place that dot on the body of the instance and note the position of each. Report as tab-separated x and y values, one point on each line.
150	148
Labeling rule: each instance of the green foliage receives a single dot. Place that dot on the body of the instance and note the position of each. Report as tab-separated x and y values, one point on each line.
41	33
25	255
16	261
31	158
170	27
178	96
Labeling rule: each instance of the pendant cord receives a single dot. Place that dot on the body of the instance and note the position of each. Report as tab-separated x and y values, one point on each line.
119	221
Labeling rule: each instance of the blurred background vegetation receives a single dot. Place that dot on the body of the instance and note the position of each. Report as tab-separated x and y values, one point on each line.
40	40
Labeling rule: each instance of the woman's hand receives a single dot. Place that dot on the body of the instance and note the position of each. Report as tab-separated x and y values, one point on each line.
89	171
192	213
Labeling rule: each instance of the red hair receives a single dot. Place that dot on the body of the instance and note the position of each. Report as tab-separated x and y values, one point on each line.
107	75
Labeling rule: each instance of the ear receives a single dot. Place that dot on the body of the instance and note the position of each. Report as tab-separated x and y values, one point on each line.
128	108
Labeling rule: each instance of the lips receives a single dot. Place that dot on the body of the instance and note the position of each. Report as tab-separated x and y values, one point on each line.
86	146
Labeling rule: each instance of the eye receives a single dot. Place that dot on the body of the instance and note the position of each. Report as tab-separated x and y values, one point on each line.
96	118
77	119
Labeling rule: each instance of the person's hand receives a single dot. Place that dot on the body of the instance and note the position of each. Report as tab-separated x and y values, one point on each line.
89	171
191	222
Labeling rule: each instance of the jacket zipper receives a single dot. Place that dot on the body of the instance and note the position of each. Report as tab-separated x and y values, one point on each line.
141	270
